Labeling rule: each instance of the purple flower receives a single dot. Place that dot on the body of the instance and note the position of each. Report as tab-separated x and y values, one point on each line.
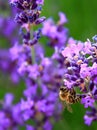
63	18
41	105
26	104
4	121
85	71
23	68
12	1
31	91
47	125
10	115
40	2
1	22
88	120
80	71
68	84
94	69
6	25
8	66
26	108
90	116
41	75
33	71
88	101
72	49
29	127
56	33
8	99
87	48
15	51
17	114
29	11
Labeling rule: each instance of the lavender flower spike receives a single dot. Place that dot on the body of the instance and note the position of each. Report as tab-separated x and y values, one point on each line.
80	72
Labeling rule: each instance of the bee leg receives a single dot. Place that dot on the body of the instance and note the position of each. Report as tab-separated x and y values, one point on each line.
69	108
63	105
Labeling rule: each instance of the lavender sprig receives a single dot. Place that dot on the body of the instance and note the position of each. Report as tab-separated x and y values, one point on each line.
81	72
56	33
42	75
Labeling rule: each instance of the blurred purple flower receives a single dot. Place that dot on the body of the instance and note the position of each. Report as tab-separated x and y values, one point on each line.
47	125
29	127
8	66
63	18
4	121
57	34
8	99
40	2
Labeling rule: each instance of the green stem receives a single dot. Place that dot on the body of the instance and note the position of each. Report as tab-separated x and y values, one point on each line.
33	55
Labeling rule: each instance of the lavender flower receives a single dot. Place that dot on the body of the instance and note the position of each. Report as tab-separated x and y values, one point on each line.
41	80
88	101
10	117
42	75
29	127
81	71
8	66
6	26
90	116
56	33
29	11
88	120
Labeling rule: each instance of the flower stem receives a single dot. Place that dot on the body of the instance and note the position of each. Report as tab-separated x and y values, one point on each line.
33	55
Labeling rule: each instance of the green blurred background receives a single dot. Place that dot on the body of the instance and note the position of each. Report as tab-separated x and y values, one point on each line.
82	24
81	14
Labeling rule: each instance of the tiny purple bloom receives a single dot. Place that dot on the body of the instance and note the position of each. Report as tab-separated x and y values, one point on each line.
63	18
88	101
88	120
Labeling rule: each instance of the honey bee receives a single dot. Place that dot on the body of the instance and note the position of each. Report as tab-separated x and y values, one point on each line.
68	96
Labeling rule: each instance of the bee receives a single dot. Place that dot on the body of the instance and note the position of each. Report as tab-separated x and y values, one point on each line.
68	96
